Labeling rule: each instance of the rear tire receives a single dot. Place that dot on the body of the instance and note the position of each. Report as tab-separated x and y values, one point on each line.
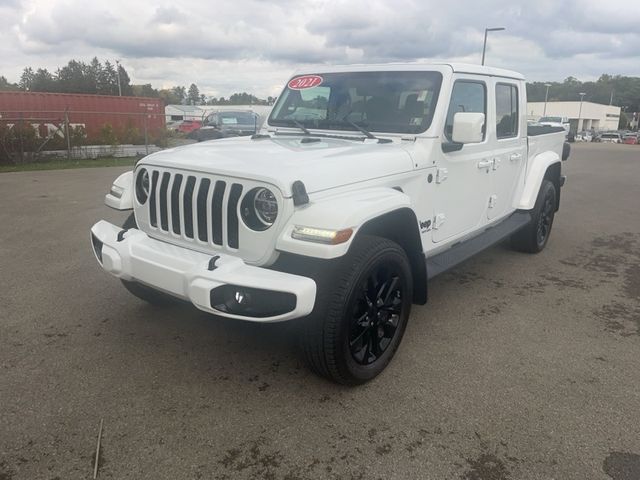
362	309
534	237
148	294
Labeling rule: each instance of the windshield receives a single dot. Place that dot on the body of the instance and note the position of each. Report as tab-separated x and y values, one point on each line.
393	102
551	119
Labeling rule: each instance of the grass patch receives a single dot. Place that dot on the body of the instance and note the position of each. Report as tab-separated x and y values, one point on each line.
63	164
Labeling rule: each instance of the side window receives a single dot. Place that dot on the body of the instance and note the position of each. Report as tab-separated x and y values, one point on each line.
467	96
506	110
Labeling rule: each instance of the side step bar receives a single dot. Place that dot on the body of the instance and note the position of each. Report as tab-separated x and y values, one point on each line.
462	251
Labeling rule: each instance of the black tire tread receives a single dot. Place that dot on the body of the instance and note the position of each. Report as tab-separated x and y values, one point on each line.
525	239
319	336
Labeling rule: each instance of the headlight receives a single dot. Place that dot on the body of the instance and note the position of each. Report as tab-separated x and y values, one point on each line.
259	209
142	185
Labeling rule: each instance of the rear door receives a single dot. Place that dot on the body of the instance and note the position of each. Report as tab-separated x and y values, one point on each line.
463	177
509	144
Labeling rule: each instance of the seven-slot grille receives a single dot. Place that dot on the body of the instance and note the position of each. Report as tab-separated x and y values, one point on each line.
194	207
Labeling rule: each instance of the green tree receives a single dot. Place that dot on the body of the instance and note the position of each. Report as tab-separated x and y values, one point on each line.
193	96
145	90
5	85
26	79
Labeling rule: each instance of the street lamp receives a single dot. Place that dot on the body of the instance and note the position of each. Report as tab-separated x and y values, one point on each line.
580	111
118	76
487	30
546	96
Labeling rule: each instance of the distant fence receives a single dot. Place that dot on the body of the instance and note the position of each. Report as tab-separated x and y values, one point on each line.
35	136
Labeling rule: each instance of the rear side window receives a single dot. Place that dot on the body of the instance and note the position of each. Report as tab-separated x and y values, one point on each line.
506	110
467	96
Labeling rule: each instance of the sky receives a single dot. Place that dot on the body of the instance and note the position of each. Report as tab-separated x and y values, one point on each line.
254	46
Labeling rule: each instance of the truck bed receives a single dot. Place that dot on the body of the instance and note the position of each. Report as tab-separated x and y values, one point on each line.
542	138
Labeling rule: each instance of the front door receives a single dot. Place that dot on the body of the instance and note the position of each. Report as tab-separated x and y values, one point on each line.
463	177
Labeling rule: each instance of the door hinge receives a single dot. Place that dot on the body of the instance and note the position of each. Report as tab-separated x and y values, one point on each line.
493	199
438	221
441	175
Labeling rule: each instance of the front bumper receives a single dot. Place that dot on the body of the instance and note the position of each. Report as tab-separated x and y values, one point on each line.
190	275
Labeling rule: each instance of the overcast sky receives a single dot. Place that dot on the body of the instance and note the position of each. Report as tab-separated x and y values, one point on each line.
249	45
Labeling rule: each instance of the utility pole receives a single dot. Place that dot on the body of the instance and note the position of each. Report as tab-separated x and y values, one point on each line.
611	98
580	111
118	75
546	96
487	30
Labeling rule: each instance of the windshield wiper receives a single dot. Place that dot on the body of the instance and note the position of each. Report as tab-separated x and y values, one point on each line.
366	132
301	126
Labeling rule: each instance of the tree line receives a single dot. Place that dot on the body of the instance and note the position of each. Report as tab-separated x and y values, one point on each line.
106	78
615	90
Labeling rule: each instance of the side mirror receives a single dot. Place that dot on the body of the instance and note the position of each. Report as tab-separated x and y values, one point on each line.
468	127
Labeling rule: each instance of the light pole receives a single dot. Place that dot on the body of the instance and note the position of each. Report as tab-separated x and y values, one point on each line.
546	96
580	111
118	75
487	30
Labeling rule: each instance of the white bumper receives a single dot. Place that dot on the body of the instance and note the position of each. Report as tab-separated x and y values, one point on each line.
185	273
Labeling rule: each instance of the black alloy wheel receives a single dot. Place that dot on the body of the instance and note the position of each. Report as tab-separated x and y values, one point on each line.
376	315
546	218
363	303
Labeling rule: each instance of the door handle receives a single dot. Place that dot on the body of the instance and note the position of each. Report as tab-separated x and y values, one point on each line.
515	157
485	164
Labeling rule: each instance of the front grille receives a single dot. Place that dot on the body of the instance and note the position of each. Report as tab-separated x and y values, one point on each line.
195	208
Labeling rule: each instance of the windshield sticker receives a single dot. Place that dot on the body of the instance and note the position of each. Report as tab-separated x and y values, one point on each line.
305	81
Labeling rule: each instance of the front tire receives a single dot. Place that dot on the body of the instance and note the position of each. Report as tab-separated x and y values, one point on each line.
534	237
361	313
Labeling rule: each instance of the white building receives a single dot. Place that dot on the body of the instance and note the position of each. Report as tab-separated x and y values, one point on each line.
200	112
591	116
183	112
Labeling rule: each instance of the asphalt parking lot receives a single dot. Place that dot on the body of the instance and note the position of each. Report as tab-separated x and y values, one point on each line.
519	367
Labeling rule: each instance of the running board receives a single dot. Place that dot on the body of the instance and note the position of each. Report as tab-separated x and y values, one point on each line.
466	249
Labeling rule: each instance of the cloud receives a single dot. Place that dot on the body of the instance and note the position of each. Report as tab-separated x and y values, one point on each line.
226	46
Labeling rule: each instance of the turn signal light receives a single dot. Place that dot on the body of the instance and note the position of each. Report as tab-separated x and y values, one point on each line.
319	235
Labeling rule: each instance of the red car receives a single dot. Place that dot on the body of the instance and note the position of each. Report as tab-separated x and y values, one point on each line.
630	139
188	126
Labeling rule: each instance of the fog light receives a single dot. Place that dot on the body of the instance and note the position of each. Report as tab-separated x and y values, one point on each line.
251	302
97	247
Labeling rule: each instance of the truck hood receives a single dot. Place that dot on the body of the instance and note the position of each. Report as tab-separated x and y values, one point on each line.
280	161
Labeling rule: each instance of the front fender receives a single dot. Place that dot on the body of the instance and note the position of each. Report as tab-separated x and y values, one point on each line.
339	212
123	186
535	174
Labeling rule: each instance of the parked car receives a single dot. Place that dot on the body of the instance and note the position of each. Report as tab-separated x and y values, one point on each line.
187	126
610	137
630	139
227	124
338	219
584	136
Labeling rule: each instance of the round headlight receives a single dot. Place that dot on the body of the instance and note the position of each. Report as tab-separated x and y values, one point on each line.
266	206
142	185
259	209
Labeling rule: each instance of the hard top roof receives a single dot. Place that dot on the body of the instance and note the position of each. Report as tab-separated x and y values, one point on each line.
417	66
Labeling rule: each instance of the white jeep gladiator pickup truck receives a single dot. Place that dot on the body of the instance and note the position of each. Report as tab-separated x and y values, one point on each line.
365	182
